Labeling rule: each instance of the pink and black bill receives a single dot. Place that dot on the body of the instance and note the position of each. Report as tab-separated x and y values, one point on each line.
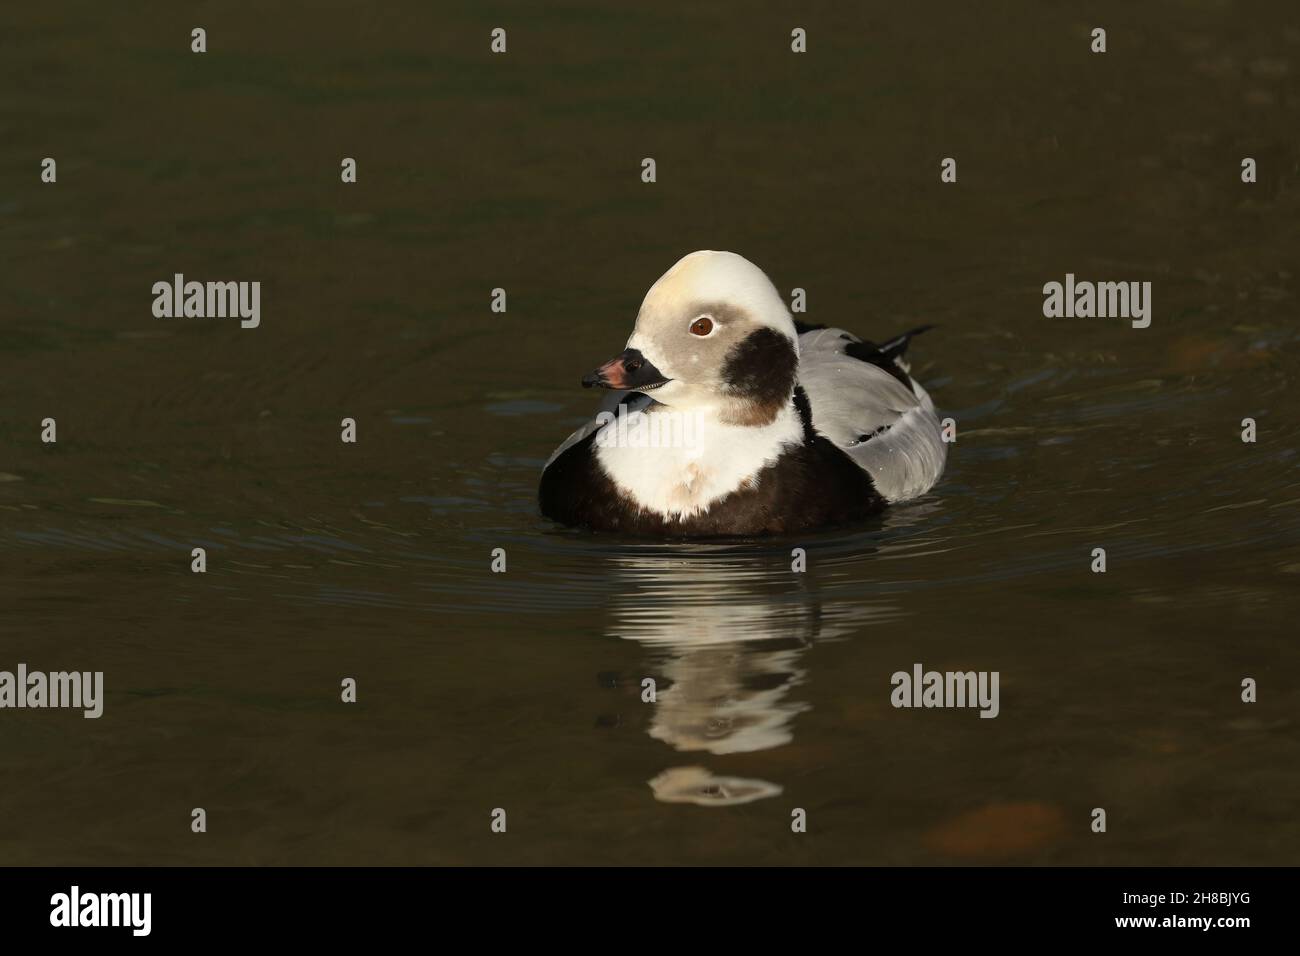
630	371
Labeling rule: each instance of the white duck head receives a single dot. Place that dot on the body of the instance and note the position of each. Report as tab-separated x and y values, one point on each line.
713	335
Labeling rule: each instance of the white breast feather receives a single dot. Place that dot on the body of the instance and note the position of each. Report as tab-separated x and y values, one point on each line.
686	480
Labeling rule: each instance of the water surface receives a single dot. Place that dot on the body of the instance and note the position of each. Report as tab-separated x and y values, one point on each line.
523	690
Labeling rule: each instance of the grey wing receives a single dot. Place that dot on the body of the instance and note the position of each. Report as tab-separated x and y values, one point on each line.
889	429
636	401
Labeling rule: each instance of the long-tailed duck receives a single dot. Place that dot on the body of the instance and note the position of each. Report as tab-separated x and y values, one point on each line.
732	419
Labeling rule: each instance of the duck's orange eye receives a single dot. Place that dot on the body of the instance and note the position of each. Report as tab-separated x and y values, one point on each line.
702	326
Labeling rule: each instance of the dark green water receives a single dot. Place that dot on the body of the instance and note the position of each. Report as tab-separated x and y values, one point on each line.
522	690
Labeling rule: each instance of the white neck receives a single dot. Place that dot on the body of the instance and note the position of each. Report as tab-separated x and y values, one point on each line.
677	463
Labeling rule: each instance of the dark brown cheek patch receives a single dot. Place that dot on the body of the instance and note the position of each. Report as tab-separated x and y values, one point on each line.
760	369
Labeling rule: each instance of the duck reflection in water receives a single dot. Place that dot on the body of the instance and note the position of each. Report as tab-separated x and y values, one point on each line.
729	629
